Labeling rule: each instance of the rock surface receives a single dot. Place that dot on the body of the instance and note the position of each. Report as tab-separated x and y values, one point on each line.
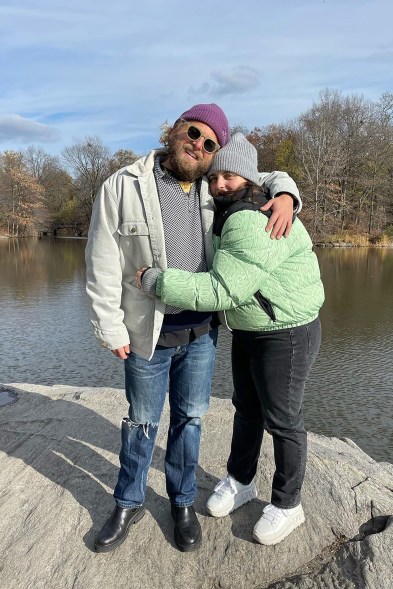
59	464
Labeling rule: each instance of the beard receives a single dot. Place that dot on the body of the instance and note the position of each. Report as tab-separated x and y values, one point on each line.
183	168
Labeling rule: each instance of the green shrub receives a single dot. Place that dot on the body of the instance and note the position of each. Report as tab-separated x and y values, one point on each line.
388	231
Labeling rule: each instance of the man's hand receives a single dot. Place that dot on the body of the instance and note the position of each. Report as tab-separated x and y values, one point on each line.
122	352
281	220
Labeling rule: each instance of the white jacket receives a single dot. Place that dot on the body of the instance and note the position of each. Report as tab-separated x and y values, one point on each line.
126	232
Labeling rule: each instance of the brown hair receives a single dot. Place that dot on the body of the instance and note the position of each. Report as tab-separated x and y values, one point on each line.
167	129
253	190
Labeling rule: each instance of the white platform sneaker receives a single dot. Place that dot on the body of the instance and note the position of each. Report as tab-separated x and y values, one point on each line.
276	524
228	495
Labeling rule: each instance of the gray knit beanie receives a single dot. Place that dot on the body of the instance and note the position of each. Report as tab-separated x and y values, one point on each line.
238	156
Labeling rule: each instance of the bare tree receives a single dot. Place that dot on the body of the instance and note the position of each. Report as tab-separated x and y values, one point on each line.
57	184
88	162
39	163
380	164
321	155
120	159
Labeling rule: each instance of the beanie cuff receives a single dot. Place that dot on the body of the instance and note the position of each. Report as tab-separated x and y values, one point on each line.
213	116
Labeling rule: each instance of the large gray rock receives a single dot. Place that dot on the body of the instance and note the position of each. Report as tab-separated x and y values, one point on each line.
59	464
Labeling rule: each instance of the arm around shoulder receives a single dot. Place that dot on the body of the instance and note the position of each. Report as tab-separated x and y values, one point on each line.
280	182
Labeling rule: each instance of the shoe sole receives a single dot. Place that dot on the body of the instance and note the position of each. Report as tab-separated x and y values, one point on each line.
240	499
110	547
296	522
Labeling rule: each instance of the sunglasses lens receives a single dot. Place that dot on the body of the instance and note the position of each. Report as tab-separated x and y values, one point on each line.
210	146
193	133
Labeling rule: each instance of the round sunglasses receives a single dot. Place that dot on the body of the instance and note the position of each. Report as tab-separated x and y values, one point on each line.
209	145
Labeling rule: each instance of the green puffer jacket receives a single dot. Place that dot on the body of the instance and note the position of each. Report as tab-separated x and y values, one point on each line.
263	284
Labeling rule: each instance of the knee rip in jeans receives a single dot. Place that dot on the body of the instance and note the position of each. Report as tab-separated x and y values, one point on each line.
177	420
129	423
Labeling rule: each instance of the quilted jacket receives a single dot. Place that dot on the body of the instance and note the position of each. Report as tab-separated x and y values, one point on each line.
262	284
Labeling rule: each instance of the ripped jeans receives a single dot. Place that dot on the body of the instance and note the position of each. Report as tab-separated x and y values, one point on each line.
189	370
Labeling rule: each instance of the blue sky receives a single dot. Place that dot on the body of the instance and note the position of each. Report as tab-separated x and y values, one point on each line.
118	69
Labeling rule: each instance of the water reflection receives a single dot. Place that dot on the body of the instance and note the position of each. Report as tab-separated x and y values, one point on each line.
29	267
47	337
358	283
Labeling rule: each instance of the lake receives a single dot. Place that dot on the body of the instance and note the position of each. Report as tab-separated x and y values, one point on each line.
46	336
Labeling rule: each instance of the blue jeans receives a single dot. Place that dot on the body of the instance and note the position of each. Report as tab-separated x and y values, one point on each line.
269	373
189	370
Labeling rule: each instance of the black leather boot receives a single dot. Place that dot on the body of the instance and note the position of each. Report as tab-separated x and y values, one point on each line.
115	529
188	533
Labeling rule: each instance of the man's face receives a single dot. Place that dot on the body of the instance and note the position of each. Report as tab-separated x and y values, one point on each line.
188	158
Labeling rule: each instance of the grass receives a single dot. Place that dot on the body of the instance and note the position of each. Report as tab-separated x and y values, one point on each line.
362	240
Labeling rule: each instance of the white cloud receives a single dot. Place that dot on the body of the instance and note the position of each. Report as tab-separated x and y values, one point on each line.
19	129
112	70
238	81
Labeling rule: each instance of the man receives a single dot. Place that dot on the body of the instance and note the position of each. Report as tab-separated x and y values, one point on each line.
158	212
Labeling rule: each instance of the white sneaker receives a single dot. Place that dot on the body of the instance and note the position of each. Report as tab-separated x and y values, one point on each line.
276	524
228	495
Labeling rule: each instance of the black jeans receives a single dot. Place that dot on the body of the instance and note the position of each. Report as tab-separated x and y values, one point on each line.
269	373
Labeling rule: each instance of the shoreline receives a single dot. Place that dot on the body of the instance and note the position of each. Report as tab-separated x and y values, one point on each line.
351	245
319	244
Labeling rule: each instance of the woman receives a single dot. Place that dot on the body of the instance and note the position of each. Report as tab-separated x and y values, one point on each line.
271	293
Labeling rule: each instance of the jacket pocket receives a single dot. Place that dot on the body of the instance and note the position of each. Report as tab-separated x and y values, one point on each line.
138	310
133	228
265	304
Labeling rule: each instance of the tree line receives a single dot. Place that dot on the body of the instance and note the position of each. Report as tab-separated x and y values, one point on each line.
42	193
340	153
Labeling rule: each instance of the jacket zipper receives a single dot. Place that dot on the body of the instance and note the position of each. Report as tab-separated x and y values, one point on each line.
266	305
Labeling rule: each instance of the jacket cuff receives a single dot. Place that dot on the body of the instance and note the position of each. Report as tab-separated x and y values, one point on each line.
149	280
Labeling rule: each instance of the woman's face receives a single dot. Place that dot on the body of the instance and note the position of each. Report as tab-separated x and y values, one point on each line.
222	182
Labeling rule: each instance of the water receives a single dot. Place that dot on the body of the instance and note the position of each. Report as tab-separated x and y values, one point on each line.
46	336
7	397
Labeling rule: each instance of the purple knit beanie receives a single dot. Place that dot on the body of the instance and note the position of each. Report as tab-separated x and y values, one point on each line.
213	116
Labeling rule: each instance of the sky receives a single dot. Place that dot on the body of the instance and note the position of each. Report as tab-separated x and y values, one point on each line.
118	69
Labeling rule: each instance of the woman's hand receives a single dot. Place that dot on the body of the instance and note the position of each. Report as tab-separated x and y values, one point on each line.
139	275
